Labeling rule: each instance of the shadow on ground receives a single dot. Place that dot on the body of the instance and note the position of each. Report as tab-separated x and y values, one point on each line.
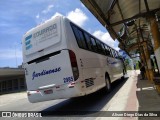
86	105
148	99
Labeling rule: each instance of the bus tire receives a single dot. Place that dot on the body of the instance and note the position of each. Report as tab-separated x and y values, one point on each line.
108	83
124	72
122	78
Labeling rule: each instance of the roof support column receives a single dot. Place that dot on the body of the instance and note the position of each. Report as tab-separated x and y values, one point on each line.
148	62
144	58
156	39
149	69
144	55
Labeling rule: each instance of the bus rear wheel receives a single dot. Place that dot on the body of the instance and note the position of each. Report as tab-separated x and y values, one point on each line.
108	84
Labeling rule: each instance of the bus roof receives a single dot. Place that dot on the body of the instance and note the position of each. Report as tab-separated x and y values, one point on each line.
61	16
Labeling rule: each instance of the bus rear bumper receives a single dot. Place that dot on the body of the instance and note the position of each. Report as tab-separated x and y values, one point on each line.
39	96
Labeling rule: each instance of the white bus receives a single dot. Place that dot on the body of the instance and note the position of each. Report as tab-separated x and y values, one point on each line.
61	60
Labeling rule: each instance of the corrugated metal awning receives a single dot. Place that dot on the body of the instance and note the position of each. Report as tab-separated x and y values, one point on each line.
131	15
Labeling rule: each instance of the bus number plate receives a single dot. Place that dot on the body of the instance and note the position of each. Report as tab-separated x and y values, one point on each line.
48	91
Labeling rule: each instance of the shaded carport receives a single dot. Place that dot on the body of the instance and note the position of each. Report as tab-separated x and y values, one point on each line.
12	80
135	24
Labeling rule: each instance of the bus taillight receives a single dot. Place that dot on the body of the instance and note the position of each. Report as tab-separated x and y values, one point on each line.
74	64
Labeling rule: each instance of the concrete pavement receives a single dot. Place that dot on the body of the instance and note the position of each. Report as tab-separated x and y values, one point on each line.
135	95
13	97
130	95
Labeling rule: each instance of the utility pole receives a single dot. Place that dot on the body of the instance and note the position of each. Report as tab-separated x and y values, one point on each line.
15	55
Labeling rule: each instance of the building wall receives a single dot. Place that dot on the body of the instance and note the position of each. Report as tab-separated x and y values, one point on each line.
12	84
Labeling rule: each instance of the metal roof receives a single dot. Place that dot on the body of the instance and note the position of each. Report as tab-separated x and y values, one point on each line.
4	72
125	20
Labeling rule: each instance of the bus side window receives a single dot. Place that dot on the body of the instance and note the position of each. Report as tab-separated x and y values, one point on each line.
107	50
99	46
93	44
103	48
116	53
119	57
111	52
79	37
88	41
82	39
